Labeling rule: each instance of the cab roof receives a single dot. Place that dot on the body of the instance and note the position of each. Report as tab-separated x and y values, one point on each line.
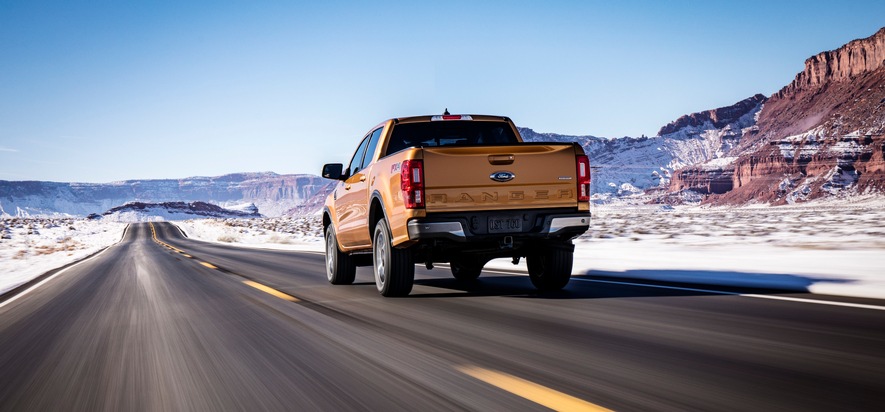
450	117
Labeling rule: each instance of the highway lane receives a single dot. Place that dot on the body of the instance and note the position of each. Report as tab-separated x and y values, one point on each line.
147	326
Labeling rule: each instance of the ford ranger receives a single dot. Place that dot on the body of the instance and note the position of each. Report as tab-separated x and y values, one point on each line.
457	189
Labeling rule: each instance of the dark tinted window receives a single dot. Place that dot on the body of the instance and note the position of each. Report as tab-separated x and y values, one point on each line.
357	161
450	133
370	150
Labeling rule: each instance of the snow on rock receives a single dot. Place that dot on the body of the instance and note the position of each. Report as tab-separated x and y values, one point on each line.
718	163
627	189
249	208
802	146
155	212
839	179
648	162
802	192
274	194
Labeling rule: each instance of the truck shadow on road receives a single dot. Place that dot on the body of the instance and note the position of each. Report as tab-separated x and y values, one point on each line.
628	284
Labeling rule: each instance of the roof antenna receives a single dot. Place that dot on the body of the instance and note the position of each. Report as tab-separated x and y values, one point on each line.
446	113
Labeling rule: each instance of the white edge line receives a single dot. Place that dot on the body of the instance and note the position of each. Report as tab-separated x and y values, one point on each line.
180	230
28	290
125	229
819	302
721	292
718	292
748	295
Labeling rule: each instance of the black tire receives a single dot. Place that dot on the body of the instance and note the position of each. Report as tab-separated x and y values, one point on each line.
394	268
340	267
551	269
466	269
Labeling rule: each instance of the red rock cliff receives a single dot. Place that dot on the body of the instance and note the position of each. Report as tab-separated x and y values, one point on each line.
853	59
840	96
717	117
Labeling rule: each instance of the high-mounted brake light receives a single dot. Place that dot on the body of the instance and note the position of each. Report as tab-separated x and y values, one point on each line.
583	178
451	117
412	183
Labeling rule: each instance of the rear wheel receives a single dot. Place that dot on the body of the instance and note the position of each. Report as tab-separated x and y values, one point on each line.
466	269
551	269
394	267
340	267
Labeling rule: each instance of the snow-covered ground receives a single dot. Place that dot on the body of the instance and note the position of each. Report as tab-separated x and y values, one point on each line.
826	247
286	233
829	247
30	247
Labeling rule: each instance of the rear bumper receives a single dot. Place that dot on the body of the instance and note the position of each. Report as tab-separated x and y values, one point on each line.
419	229
471	228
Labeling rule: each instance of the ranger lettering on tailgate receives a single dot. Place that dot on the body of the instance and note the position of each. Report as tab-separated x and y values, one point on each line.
511	195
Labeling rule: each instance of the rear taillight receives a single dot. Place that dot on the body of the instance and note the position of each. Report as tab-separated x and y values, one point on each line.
412	183
583	178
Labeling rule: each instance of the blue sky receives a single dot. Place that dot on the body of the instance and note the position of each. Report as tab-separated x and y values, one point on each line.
102	91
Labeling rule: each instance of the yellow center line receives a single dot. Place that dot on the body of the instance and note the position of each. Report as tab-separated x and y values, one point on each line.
271	291
536	393
164	244
255	285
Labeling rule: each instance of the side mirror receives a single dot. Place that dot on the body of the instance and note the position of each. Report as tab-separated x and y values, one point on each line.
333	171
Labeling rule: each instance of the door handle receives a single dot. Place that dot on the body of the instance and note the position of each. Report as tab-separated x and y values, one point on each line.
363	178
501	159
346	187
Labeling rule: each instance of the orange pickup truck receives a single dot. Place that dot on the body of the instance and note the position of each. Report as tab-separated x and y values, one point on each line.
462	189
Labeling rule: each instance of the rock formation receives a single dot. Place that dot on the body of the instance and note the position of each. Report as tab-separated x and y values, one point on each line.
141	211
845	63
719	118
272	193
821	135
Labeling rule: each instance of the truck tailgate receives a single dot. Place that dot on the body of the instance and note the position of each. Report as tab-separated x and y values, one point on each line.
476	178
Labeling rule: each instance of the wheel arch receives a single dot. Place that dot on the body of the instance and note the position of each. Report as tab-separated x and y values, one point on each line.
376	211
327	218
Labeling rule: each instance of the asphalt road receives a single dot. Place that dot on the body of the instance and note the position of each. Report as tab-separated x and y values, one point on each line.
174	324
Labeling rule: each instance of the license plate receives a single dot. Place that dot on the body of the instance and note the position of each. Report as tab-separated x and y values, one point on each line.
505	224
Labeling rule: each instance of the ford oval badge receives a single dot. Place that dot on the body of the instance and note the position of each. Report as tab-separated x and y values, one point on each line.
502	176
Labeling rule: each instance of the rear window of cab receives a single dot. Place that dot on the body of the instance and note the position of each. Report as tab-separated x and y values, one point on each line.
450	133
